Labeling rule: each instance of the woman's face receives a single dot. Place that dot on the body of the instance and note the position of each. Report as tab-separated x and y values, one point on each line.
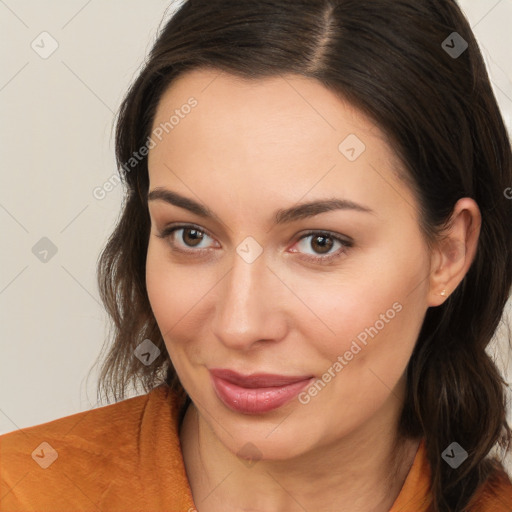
330	298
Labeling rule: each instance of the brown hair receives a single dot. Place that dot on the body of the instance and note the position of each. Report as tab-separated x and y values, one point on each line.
386	57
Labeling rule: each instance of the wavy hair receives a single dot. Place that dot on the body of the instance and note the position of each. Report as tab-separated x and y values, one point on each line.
385	57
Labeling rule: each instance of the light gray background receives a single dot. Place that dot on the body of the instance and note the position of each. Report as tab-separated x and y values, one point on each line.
56	131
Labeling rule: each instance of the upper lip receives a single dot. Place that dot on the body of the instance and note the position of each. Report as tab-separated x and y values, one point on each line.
257	380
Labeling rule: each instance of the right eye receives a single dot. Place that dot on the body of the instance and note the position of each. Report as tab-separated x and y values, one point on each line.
185	237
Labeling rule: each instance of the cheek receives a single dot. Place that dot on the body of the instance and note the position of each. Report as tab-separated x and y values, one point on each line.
377	299
171	291
360	367
178	295
158	285
362	328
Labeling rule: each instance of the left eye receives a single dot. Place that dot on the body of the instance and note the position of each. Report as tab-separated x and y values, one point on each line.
191	238
324	242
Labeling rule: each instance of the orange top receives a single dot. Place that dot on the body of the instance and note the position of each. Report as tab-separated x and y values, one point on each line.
127	457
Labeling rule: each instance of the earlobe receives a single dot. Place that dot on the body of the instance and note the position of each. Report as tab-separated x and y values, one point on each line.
455	251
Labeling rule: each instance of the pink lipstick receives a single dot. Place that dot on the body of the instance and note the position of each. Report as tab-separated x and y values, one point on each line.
256	393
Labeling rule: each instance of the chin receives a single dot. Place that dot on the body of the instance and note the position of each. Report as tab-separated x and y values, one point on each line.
262	441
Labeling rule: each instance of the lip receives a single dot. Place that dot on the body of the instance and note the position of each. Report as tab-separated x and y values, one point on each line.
258	392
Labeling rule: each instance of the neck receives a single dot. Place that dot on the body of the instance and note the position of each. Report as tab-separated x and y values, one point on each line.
364	471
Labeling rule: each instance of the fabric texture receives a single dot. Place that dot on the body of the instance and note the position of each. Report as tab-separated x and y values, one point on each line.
126	457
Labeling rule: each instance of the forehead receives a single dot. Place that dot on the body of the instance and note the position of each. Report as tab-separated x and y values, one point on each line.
273	134
302	105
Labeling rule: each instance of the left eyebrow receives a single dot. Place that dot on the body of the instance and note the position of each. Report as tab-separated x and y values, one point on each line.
305	210
282	216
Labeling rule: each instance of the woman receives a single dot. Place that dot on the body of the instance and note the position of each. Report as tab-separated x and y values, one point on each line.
313	255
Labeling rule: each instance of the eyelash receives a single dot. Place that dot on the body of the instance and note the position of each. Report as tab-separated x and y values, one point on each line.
167	232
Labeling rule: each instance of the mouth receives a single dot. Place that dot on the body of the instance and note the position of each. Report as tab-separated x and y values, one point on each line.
256	393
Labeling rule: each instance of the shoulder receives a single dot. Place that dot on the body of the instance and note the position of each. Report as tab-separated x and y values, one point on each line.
495	494
106	420
88	457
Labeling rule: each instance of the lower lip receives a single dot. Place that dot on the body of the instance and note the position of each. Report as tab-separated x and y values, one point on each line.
256	400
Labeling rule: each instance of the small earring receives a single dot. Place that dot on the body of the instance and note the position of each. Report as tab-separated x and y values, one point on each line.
443	293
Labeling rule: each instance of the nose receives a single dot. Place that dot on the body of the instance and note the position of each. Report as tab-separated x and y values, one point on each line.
250	306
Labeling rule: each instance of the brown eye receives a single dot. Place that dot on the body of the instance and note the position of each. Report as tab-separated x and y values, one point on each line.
186	238
322	243
192	237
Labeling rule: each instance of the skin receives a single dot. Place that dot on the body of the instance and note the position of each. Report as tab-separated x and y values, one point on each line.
250	148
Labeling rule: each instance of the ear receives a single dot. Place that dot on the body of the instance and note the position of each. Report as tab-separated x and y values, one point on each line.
454	253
